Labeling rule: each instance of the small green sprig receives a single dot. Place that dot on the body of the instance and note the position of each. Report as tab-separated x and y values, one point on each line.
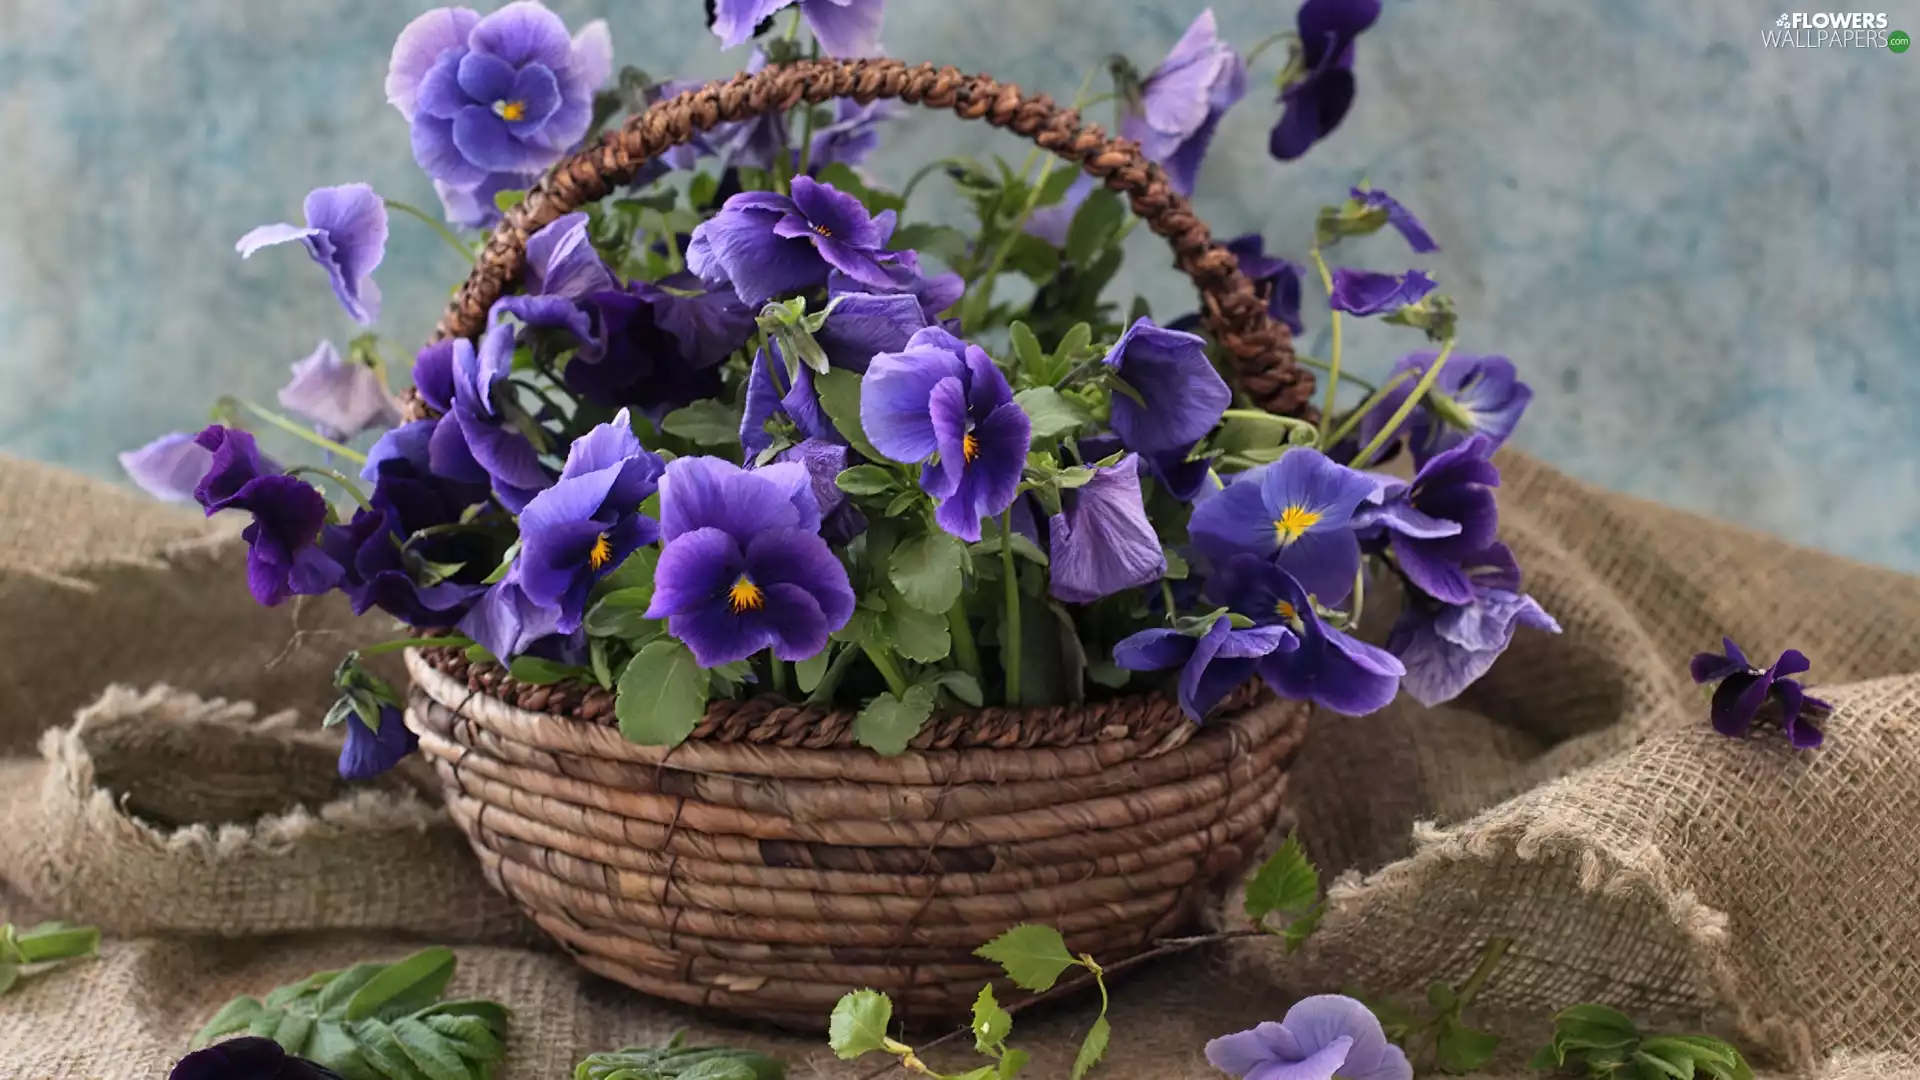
1605	1043
677	1061
1440	1039
47	943
1287	885
376	1022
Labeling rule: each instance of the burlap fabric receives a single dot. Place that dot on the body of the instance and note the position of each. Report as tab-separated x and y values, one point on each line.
1576	801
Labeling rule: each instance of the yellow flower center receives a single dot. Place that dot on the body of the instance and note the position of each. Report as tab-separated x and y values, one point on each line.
969	447
1286	611
823	230
1293	523
745	596
601	553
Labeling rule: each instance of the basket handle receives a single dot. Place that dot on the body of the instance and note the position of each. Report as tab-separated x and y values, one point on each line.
1261	349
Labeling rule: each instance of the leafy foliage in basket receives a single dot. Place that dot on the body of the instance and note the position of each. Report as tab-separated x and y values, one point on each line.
752	427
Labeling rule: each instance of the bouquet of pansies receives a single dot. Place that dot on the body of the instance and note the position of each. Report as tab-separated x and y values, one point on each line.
748	428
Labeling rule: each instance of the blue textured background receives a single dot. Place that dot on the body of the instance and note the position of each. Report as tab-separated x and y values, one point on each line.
1700	251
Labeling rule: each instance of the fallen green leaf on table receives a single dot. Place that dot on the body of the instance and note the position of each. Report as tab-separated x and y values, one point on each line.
678	1061
378	1022
47	943
1605	1043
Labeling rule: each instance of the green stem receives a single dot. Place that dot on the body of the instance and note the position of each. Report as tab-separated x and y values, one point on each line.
965	652
1359	596
1010	636
1373	401
453	240
1257	416
1321	365
345	484
1490	958
1406	407
1254	53
1166	597
1333	358
412	643
983	297
883	661
296	430
779	667
920	174
793	27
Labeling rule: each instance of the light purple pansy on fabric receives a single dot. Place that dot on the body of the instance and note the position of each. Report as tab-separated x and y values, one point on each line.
346	233
1320	1037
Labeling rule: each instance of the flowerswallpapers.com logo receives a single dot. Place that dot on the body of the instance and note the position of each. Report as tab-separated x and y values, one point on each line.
1834	29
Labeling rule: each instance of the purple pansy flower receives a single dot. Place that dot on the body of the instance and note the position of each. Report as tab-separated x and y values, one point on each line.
1211	665
842	27
743	567
1050	223
561	261
861	326
935	294
943	399
169	468
1436	524
652	348
475	207
1297	511
346	233
506	622
1322	1036
287	515
825	460
474	442
1366	292
1182	479
1182	101
584	526
853	134
770	394
1275	278
1319	99
1398	216
1182	396
1472	395
1447	647
765	244
1101	541
368	753
505	95
1744	688
247	1058
342	398
1329	668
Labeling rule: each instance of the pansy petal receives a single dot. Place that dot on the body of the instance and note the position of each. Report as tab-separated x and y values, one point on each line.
895	397
268	235
419	46
1325	562
700	492
1237	1054
439	156
522	33
484	139
793	618
1709	667
1736	701
845	27
1322	1064
694	568
1153	650
1234	520
1791	662
735	20
1323	1019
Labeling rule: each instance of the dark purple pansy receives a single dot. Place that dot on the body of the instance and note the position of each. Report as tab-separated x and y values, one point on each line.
1447	647
765	244
584	526
1398	216
1101	541
346	233
368	753
1472	395
476	442
1744	688
1211	665
936	294
1318	100
247	1058
825	460
775	392
1366	292
743	567
1183	479
169	468
1297	511
1181	395
943	402
1276	279
507	622
340	397
860	326
1436	524
842	27
1329	668
657	347
1182	100
288	512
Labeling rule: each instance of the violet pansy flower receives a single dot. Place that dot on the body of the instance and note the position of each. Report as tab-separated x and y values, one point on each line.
765	244
288	513
1472	395
771	394
905	278
1182	100
1448	647
474	442
1398	216
1367	292
251	1057
1318	100
1275	278
943	402
1050	223
368	753
340	397
561	260
1320	1037
853	133
1101	541
1437	523
842	27
584	526
1744	688
169	468
346	233
1171	469
506	622
1211	665
743	567
1329	668
1181	395
1297	511
861	326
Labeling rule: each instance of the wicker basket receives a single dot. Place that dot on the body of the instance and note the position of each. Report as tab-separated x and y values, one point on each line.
769	864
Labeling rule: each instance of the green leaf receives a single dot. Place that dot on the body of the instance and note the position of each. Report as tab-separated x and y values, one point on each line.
383	1051
472	1037
1286	883
538	672
1074	342
1108	674
622	614
1011	1063
1550	1056
902	501
1032	954
1594	1026
1092	1048
865	480
808	673
926	571
991	1023
1032	258
1094	226
292	1031
9	975
409	984
1053	415
1439	994
662	695
52	941
706	422
915	634
702	188
840	397
1461	1049
235	1015
842	176
943	242
636	571
962	686
430	1051
1026	350
889	723
333	1047
507	200
1302	928
1679	1070
859	1024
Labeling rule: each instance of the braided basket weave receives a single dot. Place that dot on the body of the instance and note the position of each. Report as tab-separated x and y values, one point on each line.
769	864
